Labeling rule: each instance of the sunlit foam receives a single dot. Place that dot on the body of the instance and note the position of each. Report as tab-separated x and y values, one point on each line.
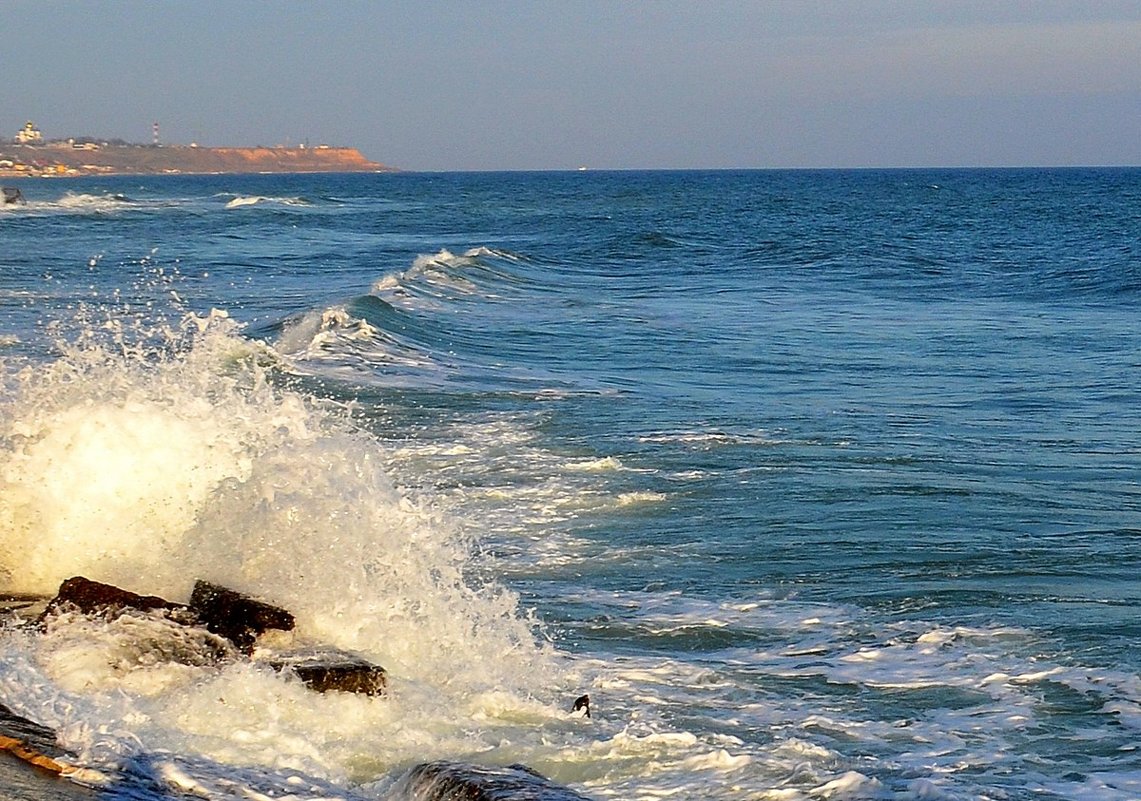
152	469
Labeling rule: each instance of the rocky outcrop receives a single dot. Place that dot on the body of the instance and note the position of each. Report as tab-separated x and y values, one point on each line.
95	598
219	624
238	618
459	781
224	625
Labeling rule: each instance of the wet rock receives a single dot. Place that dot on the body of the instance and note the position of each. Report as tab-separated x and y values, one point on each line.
95	598
237	617
458	781
38	765
28	732
330	670
214	627
17	609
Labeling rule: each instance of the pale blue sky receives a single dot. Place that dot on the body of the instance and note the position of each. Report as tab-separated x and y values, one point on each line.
507	84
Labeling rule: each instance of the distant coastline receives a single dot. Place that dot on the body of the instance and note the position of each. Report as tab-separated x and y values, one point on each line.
75	159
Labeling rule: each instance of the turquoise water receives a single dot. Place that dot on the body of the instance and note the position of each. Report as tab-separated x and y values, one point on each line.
822	484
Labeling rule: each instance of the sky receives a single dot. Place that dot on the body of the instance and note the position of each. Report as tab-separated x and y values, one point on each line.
606	84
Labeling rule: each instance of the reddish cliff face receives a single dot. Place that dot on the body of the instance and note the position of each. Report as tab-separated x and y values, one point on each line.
140	160
274	159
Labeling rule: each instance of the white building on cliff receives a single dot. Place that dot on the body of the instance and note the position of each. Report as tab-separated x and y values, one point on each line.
29	135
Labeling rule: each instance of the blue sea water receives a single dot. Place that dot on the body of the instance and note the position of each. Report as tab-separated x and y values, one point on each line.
822	484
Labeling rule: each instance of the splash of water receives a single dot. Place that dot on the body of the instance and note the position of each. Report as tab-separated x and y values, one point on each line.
150	465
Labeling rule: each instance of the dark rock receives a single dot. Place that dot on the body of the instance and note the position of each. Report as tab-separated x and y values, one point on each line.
94	598
237	617
16	609
333	670
201	633
458	781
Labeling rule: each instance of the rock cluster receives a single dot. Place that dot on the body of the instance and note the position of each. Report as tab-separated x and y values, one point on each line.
225	625
234	622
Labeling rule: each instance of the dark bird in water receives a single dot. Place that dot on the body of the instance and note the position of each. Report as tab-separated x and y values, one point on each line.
583	703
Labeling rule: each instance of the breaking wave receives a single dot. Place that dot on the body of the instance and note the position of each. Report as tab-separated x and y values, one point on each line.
243	201
151	466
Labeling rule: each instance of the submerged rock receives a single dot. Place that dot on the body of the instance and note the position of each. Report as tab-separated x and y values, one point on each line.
237	617
459	781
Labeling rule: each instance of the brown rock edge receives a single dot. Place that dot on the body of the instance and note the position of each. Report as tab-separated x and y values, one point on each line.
20	749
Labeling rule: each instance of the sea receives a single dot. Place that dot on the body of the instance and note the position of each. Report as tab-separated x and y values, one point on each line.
820	484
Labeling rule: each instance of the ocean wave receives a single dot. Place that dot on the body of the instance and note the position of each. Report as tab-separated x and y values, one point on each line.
73	203
705	439
244	201
355	342
405	331
439	279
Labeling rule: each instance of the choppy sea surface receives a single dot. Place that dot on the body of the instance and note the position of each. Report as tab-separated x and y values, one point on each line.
823	485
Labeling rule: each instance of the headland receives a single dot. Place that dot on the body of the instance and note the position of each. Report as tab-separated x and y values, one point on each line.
74	158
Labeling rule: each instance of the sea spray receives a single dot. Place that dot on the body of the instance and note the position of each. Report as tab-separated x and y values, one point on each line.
151	461
111	451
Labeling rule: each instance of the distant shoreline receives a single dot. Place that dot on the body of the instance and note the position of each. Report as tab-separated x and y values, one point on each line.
66	159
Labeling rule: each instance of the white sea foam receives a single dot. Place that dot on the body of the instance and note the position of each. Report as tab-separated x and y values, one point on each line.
70	203
705	439
640	497
602	464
